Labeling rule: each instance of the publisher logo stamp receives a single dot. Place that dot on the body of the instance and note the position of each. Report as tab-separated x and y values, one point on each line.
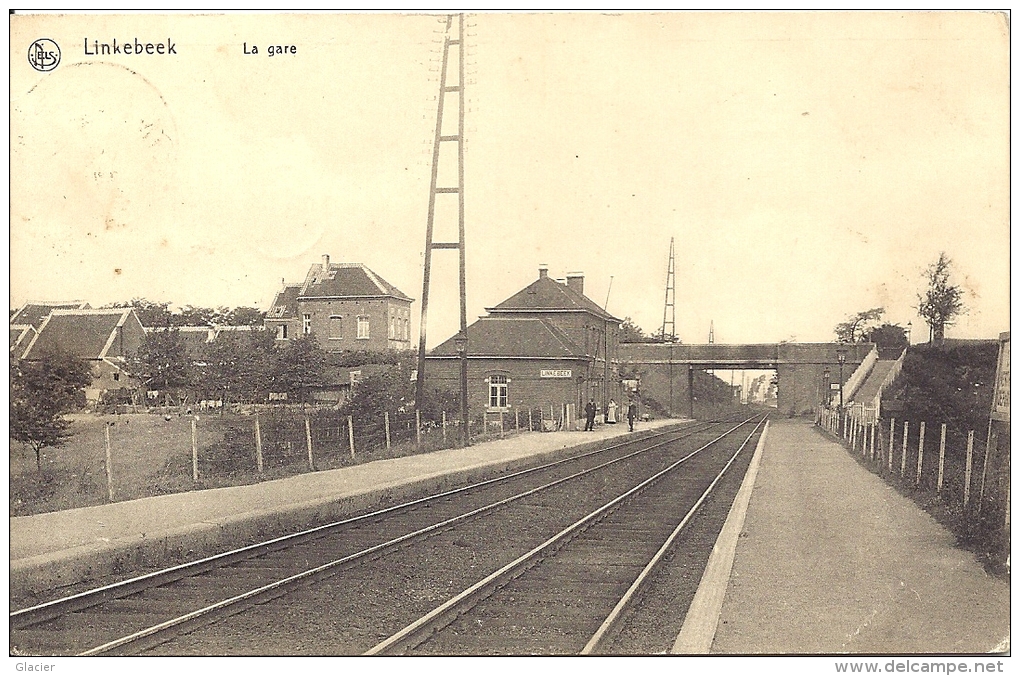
44	54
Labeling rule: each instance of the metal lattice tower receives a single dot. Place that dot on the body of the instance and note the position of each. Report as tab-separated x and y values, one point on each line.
711	331
669	311
447	87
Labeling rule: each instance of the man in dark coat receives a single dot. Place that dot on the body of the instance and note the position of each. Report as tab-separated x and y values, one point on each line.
589	414
632	414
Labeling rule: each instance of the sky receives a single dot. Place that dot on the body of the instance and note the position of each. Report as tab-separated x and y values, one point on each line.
807	165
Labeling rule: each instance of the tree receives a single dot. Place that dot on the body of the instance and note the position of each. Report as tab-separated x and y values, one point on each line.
888	336
658	337
631	332
41	393
162	361
299	365
149	312
857	325
243	316
941	302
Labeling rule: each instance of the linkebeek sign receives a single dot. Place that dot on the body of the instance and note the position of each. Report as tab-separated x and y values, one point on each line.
555	373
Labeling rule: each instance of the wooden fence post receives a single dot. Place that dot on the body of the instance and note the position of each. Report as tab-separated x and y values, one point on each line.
517	420
872	454
308	441
920	455
350	434
444	428
386	424
501	424
966	473
892	440
531	423
903	458
992	443
109	461
942	460
417	429
258	444
194	450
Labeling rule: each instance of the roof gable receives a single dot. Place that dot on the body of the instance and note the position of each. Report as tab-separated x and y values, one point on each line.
86	334
547	295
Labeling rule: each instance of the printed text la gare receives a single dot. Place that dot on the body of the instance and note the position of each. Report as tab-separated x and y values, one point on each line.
273	50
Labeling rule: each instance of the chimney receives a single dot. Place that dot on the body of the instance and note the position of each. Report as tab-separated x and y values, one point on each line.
543	270
575	280
325	262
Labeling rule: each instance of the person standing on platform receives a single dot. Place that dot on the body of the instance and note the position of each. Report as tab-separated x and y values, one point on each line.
632	414
611	412
589	414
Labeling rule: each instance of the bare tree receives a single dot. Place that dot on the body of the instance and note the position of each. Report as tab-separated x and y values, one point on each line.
942	302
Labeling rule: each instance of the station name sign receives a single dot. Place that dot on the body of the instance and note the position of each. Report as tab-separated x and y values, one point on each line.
555	373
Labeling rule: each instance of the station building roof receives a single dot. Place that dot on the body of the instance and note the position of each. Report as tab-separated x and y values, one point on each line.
547	295
513	337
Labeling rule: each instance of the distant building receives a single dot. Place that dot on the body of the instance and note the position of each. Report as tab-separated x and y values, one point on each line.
546	346
103	338
33	313
346	306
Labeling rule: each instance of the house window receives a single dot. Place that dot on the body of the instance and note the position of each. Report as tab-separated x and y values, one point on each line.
363	328
306	324
336	327
281	332
116	376
393	328
497	391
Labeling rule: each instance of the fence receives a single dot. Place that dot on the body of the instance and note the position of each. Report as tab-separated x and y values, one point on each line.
123	457
964	476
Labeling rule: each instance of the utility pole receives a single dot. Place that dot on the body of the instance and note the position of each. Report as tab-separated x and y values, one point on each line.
446	87
669	318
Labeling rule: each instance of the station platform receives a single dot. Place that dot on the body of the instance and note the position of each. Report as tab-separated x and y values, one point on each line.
59	549
829	559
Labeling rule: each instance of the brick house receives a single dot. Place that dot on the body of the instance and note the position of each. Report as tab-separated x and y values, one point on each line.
346	306
104	338
546	345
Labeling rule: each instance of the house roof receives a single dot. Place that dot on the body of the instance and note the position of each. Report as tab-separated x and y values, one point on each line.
545	295
34	312
504	337
285	304
86	334
21	337
347	280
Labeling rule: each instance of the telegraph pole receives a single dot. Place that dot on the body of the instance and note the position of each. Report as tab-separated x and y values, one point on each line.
669	319
447	87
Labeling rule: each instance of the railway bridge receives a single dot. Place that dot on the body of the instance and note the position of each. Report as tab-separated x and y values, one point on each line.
804	370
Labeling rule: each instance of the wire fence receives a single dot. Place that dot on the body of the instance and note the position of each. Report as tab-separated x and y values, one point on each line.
132	455
962	475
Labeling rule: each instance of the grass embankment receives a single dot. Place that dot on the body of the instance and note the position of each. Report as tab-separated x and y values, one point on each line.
952	384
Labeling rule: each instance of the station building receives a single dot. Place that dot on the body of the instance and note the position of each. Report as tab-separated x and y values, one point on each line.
548	345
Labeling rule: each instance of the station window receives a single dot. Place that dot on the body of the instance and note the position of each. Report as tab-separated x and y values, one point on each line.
363	328
306	324
497	392
336	327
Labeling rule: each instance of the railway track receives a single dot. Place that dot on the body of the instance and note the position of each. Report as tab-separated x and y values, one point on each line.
148	611
572	593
